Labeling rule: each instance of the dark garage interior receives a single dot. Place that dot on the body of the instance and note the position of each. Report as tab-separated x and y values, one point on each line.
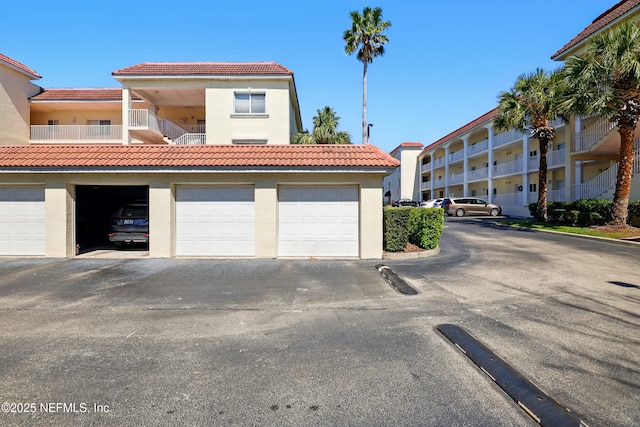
95	204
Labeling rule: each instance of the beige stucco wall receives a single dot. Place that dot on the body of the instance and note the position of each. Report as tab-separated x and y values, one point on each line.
223	126
79	117
60	206
15	91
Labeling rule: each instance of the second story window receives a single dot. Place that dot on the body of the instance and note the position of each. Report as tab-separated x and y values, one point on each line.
249	103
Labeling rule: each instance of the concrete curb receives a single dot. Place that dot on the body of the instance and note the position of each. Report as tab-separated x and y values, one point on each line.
411	255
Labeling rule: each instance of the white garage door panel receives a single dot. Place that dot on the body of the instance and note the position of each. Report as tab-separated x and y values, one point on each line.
215	221
318	221
22	221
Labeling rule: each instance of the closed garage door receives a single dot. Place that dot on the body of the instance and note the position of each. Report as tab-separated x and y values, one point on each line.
22	219
318	221
215	221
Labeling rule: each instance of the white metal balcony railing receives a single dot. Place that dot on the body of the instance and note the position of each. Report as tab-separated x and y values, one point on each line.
554	159
605	181
478	147
507	137
456	178
439	162
458	155
145	119
75	133
588	137
476	174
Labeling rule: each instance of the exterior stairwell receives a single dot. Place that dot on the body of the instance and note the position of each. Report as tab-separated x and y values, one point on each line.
146	124
603	185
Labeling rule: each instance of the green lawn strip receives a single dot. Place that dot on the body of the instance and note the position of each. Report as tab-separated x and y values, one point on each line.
565	229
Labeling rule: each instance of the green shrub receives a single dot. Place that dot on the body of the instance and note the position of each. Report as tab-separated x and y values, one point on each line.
396	232
420	226
555	215
634	211
425	227
590	219
570	217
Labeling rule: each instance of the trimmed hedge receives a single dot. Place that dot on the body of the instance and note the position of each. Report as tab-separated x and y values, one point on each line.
419	226
584	212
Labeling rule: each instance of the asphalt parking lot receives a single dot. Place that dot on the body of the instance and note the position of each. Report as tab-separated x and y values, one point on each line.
228	342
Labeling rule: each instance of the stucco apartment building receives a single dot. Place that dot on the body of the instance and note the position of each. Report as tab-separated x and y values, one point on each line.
476	160
205	145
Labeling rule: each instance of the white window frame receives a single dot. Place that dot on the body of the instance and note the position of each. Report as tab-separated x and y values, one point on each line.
250	94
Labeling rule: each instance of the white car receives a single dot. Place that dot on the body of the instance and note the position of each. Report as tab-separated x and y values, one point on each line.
432	203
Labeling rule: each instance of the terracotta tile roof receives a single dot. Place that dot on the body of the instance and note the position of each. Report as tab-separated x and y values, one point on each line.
407	144
19	66
486	117
206	156
618	10
89	94
203	69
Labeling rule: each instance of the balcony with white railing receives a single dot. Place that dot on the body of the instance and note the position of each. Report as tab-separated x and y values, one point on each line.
458	155
478	147
424	186
507	168
426	167
74	134
456	178
593	134
555	159
439	162
508	137
146	125
477	174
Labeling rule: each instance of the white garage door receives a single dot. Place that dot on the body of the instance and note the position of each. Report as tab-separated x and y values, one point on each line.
318	221
22	219
215	221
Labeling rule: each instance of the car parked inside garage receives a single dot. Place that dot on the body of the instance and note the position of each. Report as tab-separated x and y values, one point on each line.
130	224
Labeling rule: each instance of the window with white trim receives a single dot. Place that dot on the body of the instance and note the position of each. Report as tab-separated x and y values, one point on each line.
249	103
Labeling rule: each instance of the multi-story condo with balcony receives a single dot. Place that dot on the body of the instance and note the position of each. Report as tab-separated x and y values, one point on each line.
204	146
502	167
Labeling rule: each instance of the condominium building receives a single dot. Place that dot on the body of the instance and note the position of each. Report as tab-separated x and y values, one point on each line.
477	160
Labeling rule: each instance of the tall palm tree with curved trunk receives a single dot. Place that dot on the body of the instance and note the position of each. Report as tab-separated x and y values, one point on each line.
325	130
534	100
365	36
605	81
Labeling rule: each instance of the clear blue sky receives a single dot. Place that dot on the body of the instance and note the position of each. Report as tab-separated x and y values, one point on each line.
445	64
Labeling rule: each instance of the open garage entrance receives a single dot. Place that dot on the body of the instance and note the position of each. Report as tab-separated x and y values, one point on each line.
95	205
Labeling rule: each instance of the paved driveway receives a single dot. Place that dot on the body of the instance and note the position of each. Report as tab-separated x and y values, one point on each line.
244	342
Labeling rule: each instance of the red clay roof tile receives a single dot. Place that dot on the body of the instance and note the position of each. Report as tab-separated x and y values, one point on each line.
19	66
486	117
619	9
76	94
206	156
203	68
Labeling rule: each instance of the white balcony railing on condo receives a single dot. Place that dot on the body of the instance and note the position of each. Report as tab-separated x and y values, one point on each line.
605	181
476	174
478	147
554	159
507	168
76	133
507	137
145	119
592	134
191	139
439	162
456	178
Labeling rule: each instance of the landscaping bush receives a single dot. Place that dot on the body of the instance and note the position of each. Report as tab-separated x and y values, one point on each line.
396	232
419	226
425	227
590	219
590	212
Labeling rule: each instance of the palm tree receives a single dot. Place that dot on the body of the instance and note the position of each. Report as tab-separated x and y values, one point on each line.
365	37
325	130
533	102
605	81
